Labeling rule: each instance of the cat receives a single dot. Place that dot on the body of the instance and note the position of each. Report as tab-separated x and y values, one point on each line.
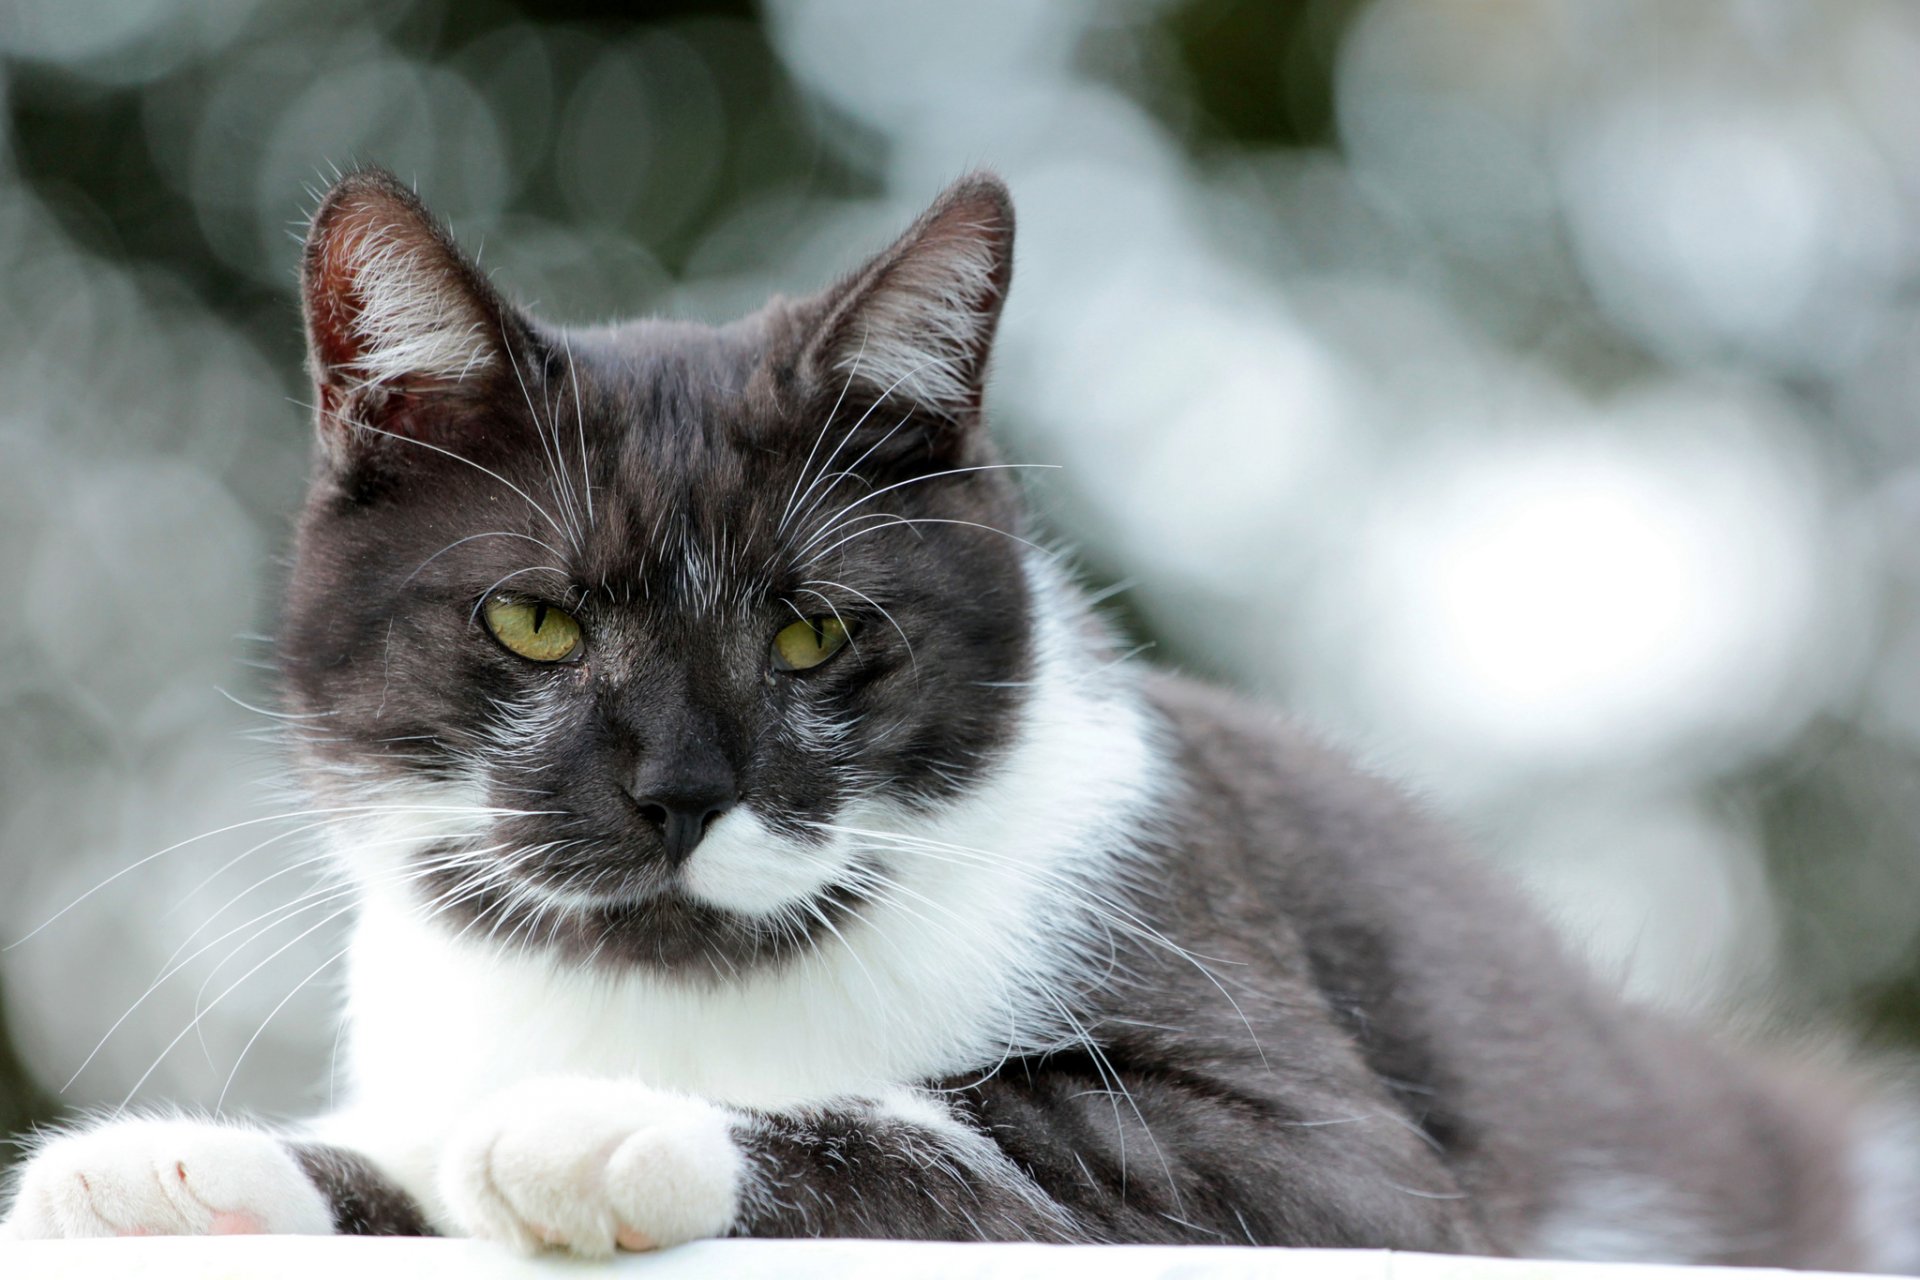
757	833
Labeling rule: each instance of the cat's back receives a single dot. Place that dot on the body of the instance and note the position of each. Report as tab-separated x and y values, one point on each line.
1431	962
1260	798
1584	1126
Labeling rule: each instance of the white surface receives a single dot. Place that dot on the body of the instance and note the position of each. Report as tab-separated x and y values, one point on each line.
298	1257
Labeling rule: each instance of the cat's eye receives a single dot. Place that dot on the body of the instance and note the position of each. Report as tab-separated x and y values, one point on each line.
532	629
808	643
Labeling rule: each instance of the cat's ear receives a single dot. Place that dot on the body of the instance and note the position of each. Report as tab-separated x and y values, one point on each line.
401	326
916	323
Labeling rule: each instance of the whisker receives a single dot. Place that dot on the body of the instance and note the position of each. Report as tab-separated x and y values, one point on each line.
424	444
254	822
858	423
851	470
461	542
827	422
276	715
326	964
553	464
299	905
892	520
200	1016
580	421
837	519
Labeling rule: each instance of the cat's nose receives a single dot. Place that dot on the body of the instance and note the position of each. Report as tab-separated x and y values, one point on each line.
683	816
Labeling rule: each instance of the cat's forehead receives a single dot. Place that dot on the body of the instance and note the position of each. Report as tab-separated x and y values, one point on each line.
667	402
662	373
684	439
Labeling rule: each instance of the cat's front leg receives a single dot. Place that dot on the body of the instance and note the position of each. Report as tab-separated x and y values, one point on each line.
183	1177
593	1165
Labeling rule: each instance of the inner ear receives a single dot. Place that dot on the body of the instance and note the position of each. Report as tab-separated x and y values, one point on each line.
401	326
915	324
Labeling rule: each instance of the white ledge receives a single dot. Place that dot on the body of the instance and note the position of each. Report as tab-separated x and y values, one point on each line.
331	1258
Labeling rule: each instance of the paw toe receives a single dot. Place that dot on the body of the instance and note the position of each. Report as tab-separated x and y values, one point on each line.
676	1182
591	1167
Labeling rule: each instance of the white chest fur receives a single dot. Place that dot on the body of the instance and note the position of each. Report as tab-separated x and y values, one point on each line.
438	1025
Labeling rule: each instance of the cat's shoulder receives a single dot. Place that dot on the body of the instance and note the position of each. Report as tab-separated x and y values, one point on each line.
1253	774
1214	726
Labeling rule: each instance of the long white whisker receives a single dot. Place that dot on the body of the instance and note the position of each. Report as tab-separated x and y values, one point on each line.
560	495
858	423
852	469
254	822
827	422
274	715
835	523
892	520
201	1015
326	964
285	911
320	896
500	533
425	444
580	421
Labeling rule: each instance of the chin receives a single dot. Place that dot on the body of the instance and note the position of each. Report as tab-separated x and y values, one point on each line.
623	921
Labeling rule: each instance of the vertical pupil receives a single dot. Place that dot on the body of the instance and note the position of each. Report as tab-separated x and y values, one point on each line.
539	617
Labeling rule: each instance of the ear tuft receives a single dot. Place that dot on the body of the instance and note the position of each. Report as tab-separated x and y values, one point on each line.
917	322
392	305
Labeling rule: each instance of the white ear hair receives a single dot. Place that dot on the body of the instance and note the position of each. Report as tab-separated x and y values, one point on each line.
920	334
918	320
389	296
415	318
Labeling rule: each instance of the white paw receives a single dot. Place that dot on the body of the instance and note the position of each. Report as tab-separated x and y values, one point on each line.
593	1165
165	1178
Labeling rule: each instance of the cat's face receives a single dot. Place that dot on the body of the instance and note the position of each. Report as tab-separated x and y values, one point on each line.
608	640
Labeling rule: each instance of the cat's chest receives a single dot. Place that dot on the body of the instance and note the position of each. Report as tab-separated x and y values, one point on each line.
442	1024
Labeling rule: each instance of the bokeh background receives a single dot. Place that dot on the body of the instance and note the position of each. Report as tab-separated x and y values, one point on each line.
1523	391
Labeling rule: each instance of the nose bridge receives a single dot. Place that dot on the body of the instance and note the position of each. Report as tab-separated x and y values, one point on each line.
681	776
671	728
690	754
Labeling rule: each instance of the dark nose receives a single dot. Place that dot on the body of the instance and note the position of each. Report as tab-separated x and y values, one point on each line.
683	814
679	772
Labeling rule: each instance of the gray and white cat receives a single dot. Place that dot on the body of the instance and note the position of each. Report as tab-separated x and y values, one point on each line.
756	835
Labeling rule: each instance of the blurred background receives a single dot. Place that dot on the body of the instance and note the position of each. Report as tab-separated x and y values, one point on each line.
1522	391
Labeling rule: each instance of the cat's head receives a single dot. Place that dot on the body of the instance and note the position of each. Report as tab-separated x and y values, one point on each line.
604	638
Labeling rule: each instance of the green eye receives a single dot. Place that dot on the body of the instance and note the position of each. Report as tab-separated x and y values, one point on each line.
535	631
808	644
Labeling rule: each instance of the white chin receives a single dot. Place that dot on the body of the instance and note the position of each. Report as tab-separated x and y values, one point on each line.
742	867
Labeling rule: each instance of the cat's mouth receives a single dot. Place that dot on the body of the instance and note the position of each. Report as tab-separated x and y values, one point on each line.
657	918
609	878
745	893
589	893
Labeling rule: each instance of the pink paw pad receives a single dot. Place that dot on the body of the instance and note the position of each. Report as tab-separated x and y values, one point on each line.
634	1241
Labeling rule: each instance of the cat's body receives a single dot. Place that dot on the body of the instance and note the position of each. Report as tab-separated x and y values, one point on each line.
971	930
